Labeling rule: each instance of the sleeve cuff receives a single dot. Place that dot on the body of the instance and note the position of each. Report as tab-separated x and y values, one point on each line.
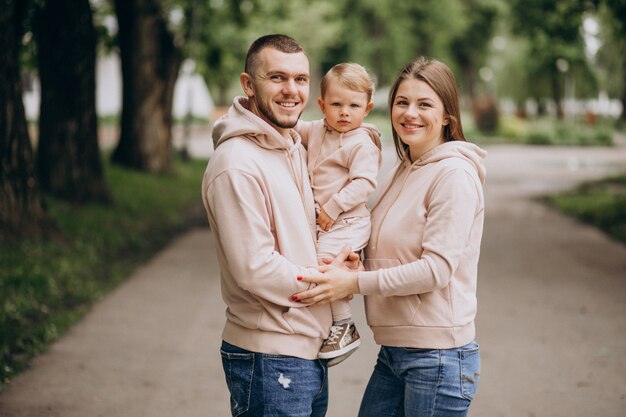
368	282
332	209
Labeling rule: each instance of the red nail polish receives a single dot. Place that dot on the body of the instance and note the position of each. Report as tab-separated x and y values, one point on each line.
299	278
294	298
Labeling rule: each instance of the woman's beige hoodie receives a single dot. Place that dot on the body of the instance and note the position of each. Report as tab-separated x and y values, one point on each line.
422	257
260	207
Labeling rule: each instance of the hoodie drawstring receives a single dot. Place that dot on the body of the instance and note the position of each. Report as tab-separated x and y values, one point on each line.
300	188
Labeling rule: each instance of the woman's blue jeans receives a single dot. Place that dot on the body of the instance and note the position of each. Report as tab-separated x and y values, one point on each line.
422	382
264	385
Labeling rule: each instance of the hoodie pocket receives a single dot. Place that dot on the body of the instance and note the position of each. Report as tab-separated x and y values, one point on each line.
393	310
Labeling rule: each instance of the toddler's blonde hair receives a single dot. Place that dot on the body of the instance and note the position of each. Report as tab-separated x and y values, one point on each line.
352	76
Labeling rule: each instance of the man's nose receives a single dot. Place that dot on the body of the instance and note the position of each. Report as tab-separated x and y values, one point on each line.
289	87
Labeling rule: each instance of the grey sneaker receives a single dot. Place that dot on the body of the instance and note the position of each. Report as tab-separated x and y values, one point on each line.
341	343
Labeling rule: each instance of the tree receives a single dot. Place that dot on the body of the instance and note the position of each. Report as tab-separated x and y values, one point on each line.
553	30
615	46
68	158
21	210
150	64
471	45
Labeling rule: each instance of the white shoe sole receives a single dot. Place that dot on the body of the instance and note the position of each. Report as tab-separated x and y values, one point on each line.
343	351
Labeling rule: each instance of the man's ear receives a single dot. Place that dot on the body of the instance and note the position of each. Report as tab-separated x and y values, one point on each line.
247	83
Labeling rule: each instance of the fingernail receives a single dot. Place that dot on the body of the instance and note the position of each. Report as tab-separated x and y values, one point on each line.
299	278
294	298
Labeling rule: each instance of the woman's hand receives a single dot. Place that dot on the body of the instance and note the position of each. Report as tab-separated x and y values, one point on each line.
336	282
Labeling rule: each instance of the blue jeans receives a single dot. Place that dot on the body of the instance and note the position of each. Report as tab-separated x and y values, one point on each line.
264	385
422	382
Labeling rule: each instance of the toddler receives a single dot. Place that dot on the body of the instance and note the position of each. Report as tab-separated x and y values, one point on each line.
343	162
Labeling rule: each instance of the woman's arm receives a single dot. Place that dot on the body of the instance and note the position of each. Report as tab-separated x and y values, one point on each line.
340	282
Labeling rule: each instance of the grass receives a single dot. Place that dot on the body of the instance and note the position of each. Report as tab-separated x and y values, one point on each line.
546	131
600	203
45	287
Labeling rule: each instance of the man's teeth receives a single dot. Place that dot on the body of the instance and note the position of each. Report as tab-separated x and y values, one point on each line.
288	104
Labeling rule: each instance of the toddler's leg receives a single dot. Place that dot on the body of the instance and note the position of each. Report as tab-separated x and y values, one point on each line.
341	311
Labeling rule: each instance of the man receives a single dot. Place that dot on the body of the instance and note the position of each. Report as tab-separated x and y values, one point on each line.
260	207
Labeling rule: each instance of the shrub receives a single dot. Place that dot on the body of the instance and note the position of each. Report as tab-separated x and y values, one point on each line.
486	115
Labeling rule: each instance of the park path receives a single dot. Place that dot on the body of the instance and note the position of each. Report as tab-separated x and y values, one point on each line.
551	323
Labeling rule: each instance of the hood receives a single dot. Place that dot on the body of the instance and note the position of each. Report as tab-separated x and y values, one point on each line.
369	128
454	149
242	123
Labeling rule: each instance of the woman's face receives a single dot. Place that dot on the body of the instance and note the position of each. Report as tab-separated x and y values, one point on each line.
418	117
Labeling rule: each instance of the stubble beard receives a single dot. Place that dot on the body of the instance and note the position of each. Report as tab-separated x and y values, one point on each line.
266	111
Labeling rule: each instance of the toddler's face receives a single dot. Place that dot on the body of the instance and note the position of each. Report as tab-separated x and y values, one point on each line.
344	108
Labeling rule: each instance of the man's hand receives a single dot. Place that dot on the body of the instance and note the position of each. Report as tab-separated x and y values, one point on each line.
337	282
324	221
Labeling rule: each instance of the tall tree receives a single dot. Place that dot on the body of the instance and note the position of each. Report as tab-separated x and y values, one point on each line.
471	45
617	44
68	157
553	30
150	64
21	210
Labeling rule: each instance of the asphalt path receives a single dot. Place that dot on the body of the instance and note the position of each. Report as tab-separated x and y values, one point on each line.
551	321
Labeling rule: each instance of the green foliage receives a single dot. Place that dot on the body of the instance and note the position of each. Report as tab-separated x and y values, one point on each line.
46	287
546	131
552	32
601	204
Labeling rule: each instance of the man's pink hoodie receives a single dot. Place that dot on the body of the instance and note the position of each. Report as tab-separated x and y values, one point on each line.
260	207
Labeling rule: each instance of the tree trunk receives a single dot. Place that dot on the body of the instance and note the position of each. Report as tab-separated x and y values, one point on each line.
21	211
150	64
68	158
622	117
557	95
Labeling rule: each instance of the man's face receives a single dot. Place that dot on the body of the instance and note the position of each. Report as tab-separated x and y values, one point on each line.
279	88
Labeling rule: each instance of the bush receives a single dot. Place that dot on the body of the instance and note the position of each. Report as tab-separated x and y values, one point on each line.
539	137
486	115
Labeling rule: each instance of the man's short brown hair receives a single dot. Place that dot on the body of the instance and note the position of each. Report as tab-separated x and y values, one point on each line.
282	43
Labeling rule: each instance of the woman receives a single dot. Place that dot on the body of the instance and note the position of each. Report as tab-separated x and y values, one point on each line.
421	261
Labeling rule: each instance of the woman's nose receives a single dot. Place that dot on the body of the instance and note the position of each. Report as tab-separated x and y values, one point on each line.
412	110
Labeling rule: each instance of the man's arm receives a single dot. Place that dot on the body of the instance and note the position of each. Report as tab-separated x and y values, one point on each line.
242	224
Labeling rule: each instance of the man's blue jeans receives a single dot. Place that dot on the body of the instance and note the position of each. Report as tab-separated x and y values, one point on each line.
264	385
422	382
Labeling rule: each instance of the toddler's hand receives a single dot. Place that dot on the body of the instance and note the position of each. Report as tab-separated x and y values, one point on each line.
324	221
